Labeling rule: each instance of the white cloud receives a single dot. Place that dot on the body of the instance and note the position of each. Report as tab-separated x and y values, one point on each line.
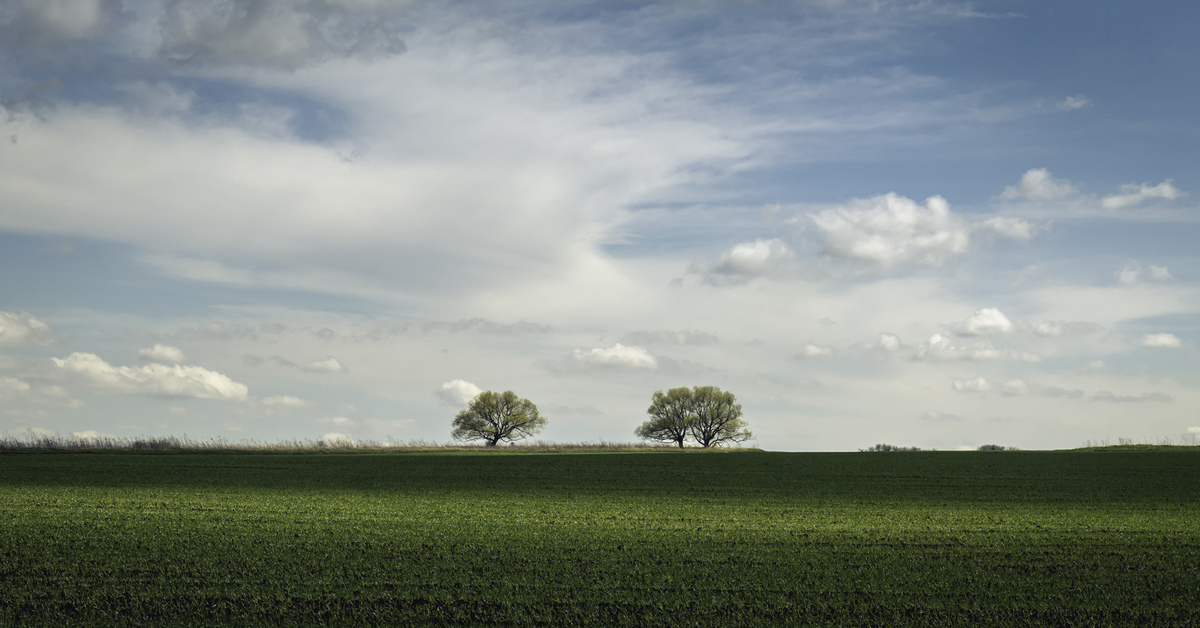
284	401
1018	387
752	259
155	380
23	329
12	387
274	33
329	365
338	421
1128	274
337	439
1160	273
1155	397
1071	103
165	354
458	392
1134	194
988	321
1010	227
891	229
814	351
1163	340
1038	184
1049	329
940	348
977	385
889	343
616	356
1132	273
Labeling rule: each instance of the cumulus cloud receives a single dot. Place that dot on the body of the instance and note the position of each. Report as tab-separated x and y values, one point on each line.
1163	340
1133	272
1058	329
165	354
889	343
617	356
891	229
977	385
1135	194
1038	184
23	329
457	392
1071	103
940	348
745	261
154	380
988	321
1155	397
284	401
814	351
329	365
1009	227
12	387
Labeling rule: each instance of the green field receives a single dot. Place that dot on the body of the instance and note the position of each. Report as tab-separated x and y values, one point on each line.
656	537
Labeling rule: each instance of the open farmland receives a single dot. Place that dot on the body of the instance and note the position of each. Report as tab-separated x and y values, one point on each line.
662	537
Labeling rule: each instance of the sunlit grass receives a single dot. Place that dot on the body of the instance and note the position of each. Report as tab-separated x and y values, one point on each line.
371	538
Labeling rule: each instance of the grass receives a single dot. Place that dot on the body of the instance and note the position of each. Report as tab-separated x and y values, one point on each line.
600	538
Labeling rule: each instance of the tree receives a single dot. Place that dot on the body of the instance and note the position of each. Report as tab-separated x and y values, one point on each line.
717	419
706	414
670	417
494	417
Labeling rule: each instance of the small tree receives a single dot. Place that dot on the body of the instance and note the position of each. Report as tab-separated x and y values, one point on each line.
493	417
670	417
717	418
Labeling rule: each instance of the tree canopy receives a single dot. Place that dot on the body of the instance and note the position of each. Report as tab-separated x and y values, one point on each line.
493	417
706	414
670	417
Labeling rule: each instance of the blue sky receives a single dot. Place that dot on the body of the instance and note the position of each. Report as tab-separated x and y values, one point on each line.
930	223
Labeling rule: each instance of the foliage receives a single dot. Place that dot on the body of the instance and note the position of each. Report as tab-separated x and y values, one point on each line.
887	447
996	448
717	418
670	417
493	417
634	539
706	414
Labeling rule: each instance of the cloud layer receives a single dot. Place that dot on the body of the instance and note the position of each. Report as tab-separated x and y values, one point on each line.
156	380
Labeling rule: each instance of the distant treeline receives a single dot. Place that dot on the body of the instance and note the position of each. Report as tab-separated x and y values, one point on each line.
175	443
887	447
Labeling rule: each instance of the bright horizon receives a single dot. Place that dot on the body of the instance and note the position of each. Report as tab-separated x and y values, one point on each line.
937	224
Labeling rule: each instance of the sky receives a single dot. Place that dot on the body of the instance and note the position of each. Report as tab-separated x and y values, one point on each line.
931	223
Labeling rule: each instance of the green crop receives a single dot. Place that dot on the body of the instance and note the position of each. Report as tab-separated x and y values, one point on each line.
655	538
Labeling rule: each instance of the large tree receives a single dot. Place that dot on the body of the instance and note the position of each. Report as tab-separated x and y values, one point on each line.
493	417
670	417
717	418
706	414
